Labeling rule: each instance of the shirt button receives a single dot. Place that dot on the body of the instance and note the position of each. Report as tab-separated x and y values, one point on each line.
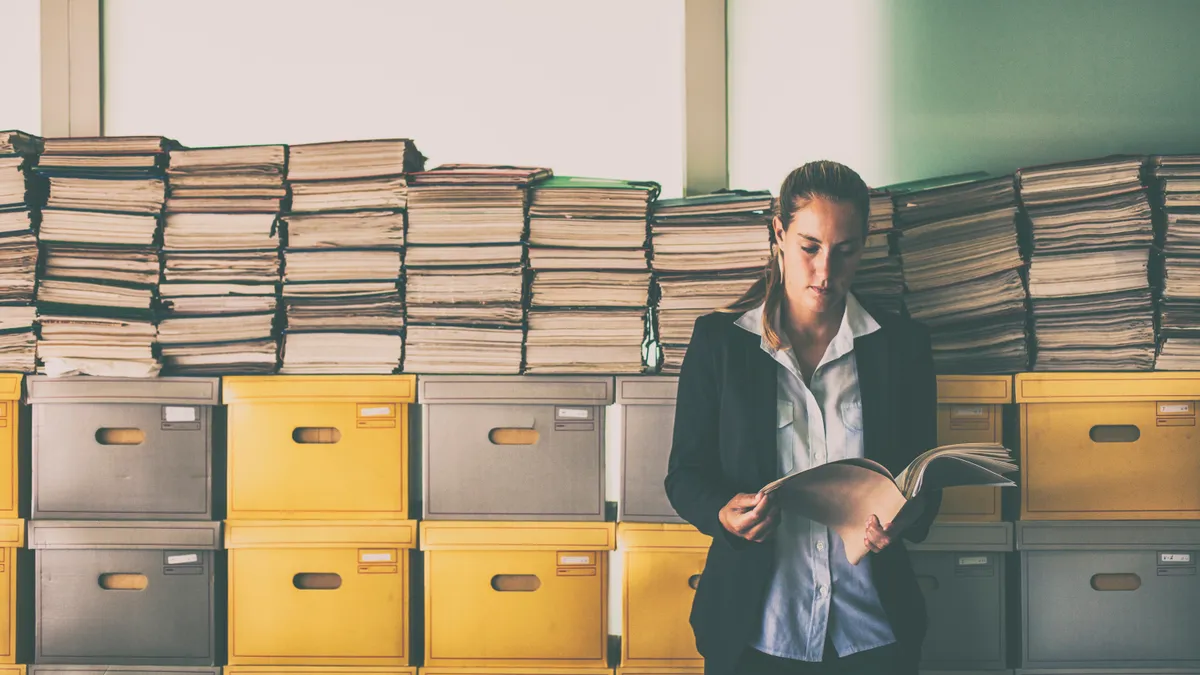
822	590
820	546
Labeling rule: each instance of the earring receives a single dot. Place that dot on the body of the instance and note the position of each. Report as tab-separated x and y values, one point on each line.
780	259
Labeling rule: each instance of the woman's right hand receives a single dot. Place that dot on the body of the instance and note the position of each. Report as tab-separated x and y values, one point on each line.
750	516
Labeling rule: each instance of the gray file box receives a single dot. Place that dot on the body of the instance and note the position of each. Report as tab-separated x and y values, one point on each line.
961	569
647	413
513	448
87	613
1109	594
121	448
123	670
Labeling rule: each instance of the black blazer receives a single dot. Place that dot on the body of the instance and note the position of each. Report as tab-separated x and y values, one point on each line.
724	443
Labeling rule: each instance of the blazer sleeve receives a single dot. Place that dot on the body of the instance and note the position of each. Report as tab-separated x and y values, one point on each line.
695	485
923	424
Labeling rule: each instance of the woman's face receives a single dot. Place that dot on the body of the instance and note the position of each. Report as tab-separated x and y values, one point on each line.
821	248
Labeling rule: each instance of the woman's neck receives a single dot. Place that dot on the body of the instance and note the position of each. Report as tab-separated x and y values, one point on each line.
804	326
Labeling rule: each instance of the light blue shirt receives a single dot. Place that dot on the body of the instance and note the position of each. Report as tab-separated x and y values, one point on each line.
815	593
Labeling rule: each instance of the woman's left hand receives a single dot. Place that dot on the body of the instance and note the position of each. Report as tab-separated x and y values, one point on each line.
878	537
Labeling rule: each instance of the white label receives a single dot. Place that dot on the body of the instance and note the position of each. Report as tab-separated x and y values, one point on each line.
573	413
576	560
182	559
180	413
968	411
1174	408
384	411
1175	557
377	557
968	561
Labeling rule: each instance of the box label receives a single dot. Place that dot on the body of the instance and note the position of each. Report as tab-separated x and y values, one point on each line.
180	413
972	560
377	411
183	559
1183	558
574	414
377	557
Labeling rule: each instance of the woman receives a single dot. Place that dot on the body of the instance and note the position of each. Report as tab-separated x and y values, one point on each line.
795	374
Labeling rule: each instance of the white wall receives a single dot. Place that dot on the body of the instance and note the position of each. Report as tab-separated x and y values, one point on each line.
20	51
807	81
586	88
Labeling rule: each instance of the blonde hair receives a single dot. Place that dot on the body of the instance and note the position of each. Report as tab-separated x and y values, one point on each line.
822	179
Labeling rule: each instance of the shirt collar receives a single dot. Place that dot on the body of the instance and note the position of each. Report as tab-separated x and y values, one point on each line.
856	322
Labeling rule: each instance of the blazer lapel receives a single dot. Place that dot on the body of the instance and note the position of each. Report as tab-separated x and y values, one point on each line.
760	406
871	359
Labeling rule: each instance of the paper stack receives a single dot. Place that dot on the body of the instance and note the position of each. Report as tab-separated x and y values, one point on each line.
466	268
706	251
22	194
221	260
1092	235
1178	178
880	282
99	236
343	259
962	271
585	315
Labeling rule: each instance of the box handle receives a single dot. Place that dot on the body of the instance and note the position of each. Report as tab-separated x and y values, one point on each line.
928	584
1115	433
513	436
1116	582
317	581
694	581
120	436
316	435
516	583
123	581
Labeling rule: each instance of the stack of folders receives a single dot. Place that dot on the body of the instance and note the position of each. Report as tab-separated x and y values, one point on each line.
100	257
21	196
962	271
221	260
591	279
343	258
880	281
1092	235
1179	182
465	268
706	251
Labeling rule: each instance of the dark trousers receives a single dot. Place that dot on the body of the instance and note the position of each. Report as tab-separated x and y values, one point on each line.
887	660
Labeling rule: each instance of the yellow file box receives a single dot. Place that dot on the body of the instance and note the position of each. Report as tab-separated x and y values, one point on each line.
12	537
10	400
1109	446
971	410
318	447
317	670
663	564
515	671
319	593
516	595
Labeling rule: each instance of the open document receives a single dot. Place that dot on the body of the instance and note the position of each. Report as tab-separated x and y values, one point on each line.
844	494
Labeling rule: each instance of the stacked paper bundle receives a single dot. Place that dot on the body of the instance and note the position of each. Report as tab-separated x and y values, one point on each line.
343	259
21	196
1178	177
880	282
466	268
221	260
962	271
1092	235
706	251
588	313
99	236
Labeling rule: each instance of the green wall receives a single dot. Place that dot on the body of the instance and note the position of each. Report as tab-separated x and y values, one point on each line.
1000	84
